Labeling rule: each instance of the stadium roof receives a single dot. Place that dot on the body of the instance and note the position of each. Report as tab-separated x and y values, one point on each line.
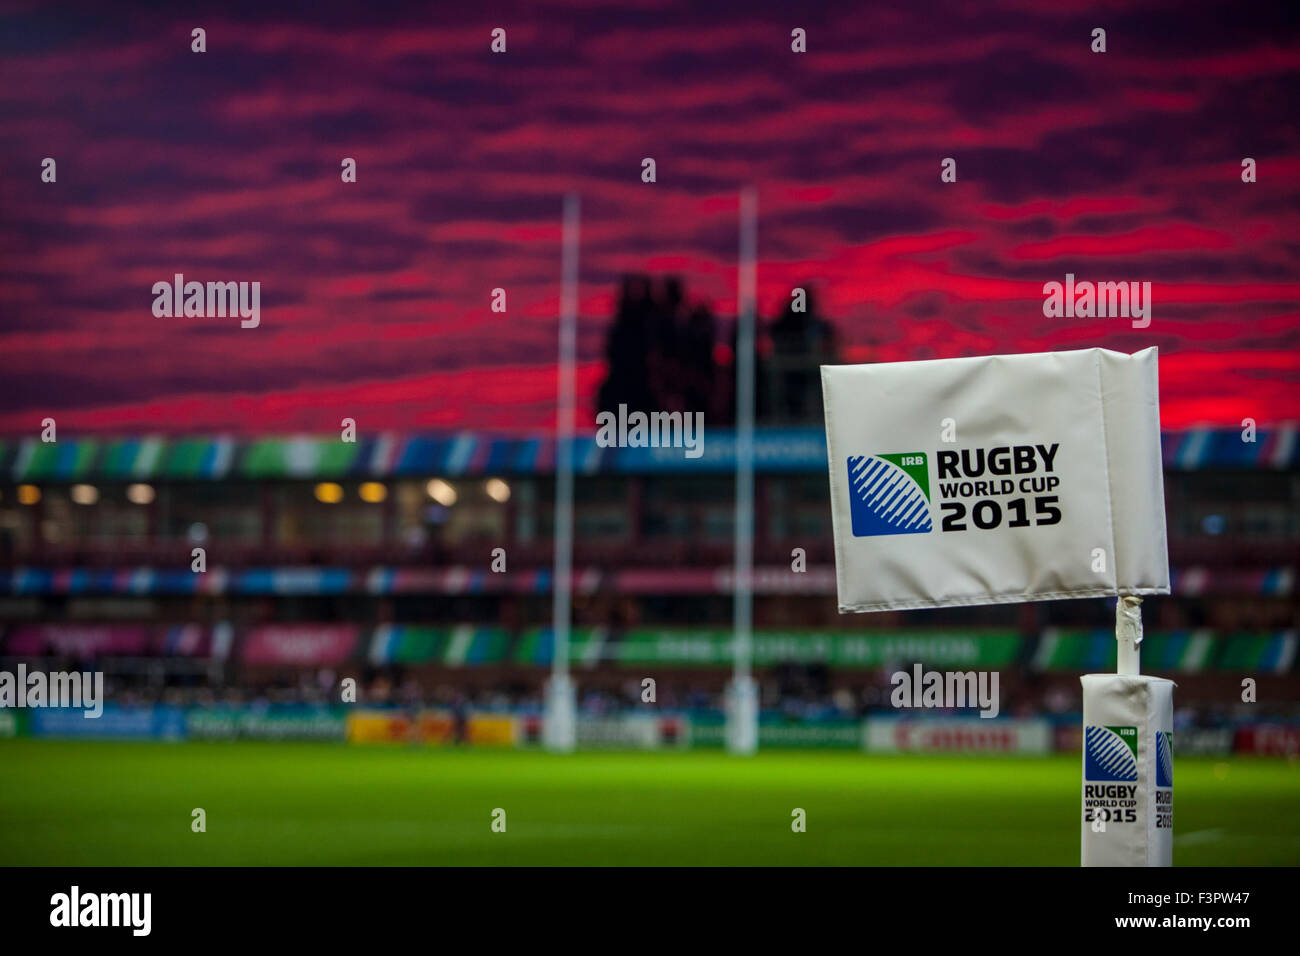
778	450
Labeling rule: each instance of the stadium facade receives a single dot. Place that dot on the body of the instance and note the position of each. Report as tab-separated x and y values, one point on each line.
420	565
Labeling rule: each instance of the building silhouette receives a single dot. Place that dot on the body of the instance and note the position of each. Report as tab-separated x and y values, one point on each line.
664	354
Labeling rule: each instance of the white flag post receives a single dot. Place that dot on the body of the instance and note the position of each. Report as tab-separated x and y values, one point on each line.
1128	635
1008	478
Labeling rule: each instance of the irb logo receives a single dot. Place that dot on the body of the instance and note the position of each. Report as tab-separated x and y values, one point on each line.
1110	754
889	494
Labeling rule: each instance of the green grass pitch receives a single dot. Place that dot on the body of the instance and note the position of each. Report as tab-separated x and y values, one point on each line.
120	803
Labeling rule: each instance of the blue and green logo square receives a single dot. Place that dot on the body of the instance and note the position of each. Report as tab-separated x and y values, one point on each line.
889	494
1110	754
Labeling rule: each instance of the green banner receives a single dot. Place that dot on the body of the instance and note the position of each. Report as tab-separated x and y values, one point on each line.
587	647
986	649
1183	652
407	644
275	723
842	734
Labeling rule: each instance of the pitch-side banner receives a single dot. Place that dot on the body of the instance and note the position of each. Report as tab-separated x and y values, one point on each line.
997	479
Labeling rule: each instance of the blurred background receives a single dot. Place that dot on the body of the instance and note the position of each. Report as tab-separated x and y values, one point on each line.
328	559
374	559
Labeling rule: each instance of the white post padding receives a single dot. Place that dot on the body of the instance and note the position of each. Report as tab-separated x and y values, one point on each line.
560	717
1127	808
742	716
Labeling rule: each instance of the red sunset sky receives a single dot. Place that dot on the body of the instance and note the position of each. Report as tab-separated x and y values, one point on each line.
375	295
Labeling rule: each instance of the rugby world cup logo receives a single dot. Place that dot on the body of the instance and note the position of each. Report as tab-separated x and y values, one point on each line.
1164	758
889	494
1110	754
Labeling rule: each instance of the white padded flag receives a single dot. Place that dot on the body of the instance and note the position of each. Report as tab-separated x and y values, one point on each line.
996	479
